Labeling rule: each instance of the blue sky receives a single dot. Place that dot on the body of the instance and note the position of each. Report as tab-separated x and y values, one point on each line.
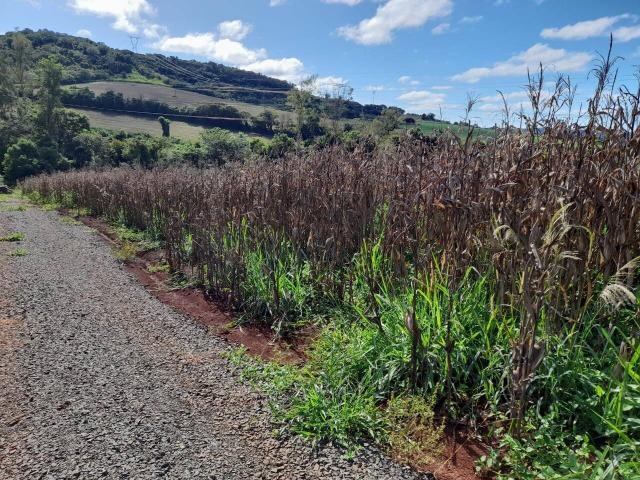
422	55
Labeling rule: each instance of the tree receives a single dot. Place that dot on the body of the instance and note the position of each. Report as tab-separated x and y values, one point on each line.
49	95
6	88
22	49
387	122
305	108
267	121
21	160
336	103
221	146
165	123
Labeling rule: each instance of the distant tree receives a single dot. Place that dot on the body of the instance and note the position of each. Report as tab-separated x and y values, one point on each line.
410	121
22	50
305	108
49	95
69	124
165	123
280	145
336	103
428	117
21	160
6	88
221	146
387	122
268	120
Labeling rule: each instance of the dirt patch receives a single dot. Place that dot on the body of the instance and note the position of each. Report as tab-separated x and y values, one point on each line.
195	303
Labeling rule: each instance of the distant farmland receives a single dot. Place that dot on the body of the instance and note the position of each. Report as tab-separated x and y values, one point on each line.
135	124
174	97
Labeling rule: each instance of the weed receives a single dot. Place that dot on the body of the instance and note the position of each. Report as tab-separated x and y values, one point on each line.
414	435
12	237
161	266
65	220
18	252
127	252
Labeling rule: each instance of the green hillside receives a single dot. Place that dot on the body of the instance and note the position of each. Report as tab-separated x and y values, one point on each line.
85	61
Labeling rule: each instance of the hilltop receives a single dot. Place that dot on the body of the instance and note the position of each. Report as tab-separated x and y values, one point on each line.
86	61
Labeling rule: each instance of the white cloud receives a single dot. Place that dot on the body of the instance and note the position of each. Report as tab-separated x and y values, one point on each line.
441	28
626	34
374	88
153	30
234	29
395	15
289	69
587	29
557	59
351	3
127	15
207	45
508	96
407	80
442	87
420	100
475	19
276	3
83	32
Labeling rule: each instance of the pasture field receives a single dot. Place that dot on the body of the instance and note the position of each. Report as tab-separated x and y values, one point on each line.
174	97
138	124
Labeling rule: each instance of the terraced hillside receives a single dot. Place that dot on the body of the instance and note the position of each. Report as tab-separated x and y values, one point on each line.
175	96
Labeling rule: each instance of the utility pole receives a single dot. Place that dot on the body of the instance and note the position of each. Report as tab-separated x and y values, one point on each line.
134	42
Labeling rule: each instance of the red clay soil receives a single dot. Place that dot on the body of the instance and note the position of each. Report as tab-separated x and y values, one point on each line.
458	458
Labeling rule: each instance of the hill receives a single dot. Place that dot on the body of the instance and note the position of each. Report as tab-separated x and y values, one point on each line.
174	97
85	61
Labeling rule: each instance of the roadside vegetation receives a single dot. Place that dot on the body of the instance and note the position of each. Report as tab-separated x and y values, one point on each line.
486	285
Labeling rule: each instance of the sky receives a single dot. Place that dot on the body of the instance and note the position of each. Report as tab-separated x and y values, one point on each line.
421	55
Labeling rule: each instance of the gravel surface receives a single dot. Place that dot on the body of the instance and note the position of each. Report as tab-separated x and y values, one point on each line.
100	379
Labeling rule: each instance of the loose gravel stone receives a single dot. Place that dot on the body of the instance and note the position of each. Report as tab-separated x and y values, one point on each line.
98	379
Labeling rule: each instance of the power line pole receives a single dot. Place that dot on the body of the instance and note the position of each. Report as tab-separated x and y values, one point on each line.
134	42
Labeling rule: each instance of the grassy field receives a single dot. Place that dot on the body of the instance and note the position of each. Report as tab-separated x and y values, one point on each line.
131	124
173	96
430	128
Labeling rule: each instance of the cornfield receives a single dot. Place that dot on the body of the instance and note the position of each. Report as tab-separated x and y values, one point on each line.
502	270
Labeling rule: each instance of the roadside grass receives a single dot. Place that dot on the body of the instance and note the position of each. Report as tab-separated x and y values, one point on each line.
126	252
68	220
156	267
18	252
12	237
13	208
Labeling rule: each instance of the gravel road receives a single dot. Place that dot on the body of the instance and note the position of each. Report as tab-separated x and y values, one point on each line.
98	379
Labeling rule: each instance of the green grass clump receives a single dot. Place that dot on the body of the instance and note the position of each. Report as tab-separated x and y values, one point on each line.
162	266
127	252
12	237
18	252
13	208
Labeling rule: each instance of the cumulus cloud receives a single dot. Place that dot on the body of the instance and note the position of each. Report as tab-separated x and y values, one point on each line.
290	69
587	29
395	15
128	15
207	45
83	32
557	59
234	29
420	100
